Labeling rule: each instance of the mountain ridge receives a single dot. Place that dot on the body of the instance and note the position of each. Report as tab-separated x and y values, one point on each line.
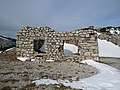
6	42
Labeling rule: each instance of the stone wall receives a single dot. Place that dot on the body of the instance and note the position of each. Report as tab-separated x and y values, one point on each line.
86	40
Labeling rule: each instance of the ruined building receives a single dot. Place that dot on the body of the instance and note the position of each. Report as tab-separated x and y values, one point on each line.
31	39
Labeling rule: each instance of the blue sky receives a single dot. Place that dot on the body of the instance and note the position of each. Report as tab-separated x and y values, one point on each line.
62	15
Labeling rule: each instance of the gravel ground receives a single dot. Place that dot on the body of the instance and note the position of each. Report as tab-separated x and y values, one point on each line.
114	62
16	74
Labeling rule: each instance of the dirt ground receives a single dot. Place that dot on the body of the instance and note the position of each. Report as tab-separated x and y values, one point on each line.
114	62
16	74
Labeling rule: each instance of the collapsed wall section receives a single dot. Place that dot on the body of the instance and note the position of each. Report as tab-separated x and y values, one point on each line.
26	37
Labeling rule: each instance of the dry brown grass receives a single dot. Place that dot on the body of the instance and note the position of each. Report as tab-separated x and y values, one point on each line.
8	56
6	88
30	86
9	80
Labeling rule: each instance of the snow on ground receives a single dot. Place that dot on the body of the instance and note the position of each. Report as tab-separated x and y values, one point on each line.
9	49
33	60
108	78
118	31
50	60
45	81
22	58
97	33
108	49
0	51
112	31
70	49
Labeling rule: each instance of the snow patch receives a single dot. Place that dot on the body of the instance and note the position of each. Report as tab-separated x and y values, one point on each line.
70	48
22	58
50	60
33	60
97	33
117	31
45	81
108	49
113	31
9	49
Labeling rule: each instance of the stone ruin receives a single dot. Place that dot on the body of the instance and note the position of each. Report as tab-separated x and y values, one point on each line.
31	39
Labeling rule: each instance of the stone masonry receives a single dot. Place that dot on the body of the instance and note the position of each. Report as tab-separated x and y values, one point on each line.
114	38
30	39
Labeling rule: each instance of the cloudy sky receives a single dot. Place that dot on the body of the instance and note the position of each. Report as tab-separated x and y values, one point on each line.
62	15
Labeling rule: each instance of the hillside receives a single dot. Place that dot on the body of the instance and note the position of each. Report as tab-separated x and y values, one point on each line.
6	42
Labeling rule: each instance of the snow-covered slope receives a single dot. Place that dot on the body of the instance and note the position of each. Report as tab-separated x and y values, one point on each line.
0	51
113	31
108	49
6	42
70	49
